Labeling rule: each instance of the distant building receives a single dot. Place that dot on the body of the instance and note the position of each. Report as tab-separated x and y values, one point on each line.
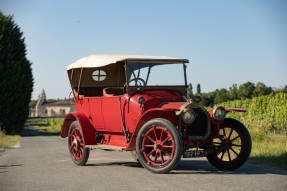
46	108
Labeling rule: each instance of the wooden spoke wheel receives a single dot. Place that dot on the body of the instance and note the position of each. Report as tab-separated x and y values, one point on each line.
158	146
234	145
76	143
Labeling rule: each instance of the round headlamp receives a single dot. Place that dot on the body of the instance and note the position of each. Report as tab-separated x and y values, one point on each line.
219	113
188	116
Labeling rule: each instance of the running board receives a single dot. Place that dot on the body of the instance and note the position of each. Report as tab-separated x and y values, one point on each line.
106	147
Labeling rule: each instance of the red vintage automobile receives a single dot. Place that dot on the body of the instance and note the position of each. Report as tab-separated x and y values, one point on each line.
138	103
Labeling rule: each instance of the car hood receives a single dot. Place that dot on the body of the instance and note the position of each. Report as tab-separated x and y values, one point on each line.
178	106
161	99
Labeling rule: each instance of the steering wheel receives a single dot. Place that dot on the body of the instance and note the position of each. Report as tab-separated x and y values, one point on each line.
138	81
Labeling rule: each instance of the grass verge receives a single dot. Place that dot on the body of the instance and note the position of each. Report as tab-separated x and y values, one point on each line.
7	141
47	125
270	149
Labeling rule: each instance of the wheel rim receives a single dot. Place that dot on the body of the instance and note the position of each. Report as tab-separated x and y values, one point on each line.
230	143
76	144
158	146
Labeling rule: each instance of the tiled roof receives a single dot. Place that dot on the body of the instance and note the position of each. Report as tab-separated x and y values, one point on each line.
59	103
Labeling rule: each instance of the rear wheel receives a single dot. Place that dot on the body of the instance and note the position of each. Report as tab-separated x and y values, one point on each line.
234	145
76	143
158	145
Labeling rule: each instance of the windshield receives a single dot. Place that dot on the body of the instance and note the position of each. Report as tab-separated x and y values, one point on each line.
146	74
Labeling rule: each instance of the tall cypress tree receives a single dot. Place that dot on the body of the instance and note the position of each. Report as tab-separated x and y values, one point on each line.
198	89
16	79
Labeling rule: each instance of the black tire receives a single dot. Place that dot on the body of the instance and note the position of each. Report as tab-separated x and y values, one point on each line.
135	157
76	144
236	140
159	146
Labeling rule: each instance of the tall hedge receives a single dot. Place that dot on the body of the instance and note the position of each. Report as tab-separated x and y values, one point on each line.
264	113
16	79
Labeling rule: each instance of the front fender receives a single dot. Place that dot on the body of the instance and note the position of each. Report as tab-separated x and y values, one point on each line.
87	128
168	114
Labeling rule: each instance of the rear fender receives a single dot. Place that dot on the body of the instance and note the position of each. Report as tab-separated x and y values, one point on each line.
168	114
87	128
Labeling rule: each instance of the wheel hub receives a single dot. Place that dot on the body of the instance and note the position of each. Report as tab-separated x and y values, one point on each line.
157	145
75	144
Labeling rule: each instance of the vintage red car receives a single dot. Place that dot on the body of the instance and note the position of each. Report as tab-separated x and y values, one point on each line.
138	103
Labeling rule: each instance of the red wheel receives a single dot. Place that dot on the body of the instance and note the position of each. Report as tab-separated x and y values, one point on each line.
234	145
159	146
76	143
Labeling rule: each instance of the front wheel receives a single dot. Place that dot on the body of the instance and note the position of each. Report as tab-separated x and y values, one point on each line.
76	144
233	145
159	146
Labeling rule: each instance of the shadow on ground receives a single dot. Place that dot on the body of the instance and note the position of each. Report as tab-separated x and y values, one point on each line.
32	131
202	166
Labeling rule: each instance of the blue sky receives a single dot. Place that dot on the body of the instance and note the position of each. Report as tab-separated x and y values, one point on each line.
226	41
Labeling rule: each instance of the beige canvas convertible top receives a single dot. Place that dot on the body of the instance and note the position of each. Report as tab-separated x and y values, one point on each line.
99	60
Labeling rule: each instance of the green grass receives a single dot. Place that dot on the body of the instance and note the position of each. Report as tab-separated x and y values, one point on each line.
7	141
47	125
269	149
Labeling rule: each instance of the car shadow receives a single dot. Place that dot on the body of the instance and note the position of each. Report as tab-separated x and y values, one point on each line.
127	164
202	166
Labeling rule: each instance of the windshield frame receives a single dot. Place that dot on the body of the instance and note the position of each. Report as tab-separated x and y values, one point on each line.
130	72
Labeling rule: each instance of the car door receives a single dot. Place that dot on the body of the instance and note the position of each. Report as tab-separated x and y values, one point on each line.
112	114
96	114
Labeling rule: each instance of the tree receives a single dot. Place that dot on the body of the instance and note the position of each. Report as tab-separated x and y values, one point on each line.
189	91
233	92
208	99
246	90
32	104
198	90
221	96
16	79
261	89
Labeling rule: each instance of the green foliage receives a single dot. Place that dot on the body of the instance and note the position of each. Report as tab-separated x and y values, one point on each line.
246	90
233	92
33	103
198	90
264	113
261	89
47	125
189	91
16	80
283	89
269	149
221	95
7	141
55	123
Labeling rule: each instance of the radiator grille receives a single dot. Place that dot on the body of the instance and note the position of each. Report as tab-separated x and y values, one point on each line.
201	124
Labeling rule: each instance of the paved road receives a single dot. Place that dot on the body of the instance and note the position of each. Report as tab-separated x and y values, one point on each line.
43	163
